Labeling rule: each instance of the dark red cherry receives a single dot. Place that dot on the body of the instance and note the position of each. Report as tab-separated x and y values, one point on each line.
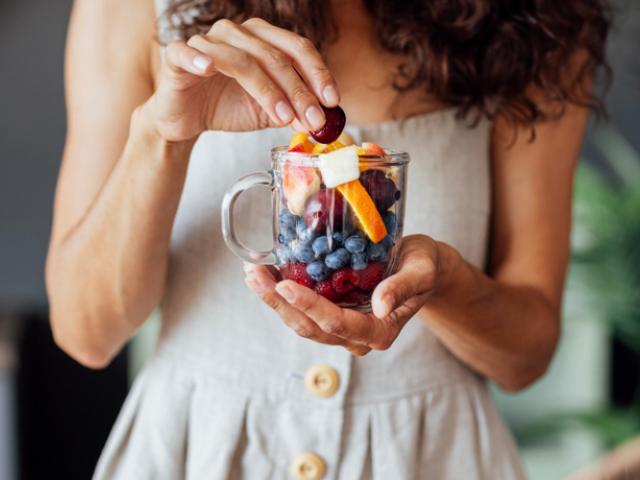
333	127
381	188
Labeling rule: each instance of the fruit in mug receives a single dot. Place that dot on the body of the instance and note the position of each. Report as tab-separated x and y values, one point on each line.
356	297
359	261
300	143
344	280
321	246
335	121
298	273
371	276
372	149
355	244
383	190
387	242
304	233
325	289
298	184
285	254
365	210
303	252
337	259
345	139
287	219
326	148
318	209
376	252
340	166
317	270
390	222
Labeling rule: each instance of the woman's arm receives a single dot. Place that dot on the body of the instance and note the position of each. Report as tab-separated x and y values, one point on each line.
504	325
129	138
118	188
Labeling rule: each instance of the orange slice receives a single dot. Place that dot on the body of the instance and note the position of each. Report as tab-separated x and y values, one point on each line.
364	208
300	143
327	147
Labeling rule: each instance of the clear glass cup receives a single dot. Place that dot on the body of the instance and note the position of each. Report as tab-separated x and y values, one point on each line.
322	236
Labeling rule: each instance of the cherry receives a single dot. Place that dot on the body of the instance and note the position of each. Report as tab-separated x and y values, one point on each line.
383	190
333	127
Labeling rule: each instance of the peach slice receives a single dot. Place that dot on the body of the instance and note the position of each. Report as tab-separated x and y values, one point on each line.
299	183
372	148
365	210
300	143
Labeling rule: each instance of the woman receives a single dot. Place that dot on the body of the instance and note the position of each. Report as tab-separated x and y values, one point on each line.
490	99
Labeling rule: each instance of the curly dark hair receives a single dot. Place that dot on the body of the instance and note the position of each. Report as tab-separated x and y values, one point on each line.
481	56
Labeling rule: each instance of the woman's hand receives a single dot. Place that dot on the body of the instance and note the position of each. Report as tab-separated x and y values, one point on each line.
395	300
238	78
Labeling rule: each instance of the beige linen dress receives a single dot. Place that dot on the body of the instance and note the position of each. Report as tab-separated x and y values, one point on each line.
231	392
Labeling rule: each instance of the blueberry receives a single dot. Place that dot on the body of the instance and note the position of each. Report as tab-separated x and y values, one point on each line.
391	222
303	252
287	219
359	261
287	234
317	270
304	233
377	253
355	244
285	254
387	242
321	246
337	259
338	238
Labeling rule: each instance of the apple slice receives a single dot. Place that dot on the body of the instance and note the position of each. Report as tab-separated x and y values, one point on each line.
339	166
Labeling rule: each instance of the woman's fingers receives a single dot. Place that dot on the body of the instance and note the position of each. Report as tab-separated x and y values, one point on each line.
262	281
306	58
182	58
353	326
415	277
242	67
278	65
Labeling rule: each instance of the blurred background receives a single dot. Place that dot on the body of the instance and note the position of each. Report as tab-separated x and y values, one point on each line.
55	415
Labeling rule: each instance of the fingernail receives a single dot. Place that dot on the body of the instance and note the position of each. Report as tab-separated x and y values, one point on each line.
389	300
255	284
284	111
315	117
201	63
287	293
330	95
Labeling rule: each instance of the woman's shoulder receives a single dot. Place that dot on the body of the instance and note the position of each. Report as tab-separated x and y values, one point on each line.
118	33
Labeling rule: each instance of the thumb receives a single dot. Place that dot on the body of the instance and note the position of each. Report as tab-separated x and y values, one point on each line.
415	277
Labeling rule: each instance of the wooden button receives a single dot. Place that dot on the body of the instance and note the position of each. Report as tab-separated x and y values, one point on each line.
308	466
322	380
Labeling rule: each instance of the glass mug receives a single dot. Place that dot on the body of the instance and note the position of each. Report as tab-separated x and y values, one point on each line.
320	238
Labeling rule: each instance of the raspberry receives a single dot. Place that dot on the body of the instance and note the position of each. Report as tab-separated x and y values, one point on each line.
298	273
326	290
356	297
344	280
371	276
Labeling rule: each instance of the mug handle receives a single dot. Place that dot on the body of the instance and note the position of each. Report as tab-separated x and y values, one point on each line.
228	230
